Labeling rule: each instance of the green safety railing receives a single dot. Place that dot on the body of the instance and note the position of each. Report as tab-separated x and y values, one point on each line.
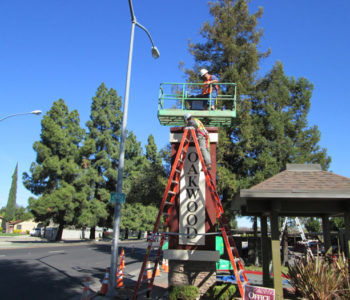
175	99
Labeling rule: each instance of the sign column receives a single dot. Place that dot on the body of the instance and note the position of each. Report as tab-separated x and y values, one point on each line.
191	254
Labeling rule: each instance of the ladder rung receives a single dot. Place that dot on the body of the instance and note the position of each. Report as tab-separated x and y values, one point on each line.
175	182
168	203
240	272
177	171
237	259
172	193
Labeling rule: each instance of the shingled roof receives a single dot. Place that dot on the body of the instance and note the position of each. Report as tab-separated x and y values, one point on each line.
298	177
297	189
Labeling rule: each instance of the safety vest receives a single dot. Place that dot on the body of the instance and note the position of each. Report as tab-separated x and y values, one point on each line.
208	88
201	129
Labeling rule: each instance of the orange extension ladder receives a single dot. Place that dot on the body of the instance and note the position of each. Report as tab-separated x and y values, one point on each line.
171	191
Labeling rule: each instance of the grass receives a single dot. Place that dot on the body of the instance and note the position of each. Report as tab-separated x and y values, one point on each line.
257	268
11	234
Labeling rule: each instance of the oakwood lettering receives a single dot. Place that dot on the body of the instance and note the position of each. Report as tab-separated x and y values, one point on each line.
192	191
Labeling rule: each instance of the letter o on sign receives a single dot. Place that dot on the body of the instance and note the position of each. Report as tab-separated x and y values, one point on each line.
193	156
192	206
192	220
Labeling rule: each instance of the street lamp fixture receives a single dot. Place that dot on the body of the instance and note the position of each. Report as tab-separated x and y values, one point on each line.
34	112
119	195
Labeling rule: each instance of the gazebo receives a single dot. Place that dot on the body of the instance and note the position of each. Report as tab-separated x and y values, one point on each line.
302	190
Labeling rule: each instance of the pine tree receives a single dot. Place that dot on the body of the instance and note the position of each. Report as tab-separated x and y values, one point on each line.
11	202
56	170
271	126
100	152
147	184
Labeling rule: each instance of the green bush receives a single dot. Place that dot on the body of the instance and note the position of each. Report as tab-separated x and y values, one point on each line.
184	292
224	291
17	231
1	229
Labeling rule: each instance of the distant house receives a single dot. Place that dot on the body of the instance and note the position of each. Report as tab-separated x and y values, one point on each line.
23	226
2	223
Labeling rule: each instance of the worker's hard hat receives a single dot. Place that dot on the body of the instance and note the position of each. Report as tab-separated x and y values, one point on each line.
187	116
203	72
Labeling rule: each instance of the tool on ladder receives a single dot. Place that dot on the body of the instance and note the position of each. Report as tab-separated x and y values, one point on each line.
171	191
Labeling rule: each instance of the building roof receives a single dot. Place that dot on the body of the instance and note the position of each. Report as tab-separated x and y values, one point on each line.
304	178
298	189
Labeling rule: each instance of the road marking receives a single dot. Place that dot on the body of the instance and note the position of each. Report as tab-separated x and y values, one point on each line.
2	255
57	251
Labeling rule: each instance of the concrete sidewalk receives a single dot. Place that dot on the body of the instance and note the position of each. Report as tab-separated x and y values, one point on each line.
27	241
159	291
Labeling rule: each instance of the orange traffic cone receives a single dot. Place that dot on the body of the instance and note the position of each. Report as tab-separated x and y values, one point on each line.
149	270
166	270
86	292
157	271
122	259
163	264
120	278
105	283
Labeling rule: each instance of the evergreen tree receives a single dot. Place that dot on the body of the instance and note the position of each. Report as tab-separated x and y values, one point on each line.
271	126
312	225
137	216
230	50
54	174
100	152
147	184
11	202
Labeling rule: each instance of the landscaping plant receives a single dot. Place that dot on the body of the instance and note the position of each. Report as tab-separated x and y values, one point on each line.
323	278
184	292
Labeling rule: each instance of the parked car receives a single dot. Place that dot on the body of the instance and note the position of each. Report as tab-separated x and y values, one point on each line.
39	231
312	244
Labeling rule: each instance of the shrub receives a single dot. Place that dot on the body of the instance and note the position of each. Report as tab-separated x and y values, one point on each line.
184	292
1	229
225	291
17	231
321	278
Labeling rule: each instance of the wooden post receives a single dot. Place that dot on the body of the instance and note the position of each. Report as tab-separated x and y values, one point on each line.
265	252
276	256
326	233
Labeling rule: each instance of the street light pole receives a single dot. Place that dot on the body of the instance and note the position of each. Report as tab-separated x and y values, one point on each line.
34	112
117	206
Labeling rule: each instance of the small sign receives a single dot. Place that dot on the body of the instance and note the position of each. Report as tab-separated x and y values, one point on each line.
258	293
118	198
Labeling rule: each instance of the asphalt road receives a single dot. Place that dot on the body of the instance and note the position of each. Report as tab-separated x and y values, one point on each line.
59	271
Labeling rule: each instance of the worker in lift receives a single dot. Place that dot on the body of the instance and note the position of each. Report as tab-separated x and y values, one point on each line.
202	136
210	90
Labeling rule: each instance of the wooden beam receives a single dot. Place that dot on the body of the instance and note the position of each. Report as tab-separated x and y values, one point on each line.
276	256
347	233
265	252
326	233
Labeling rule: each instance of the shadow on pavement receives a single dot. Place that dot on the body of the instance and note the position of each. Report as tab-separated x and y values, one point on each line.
21	279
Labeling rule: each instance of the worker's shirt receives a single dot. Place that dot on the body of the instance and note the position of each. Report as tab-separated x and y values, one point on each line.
198	125
210	88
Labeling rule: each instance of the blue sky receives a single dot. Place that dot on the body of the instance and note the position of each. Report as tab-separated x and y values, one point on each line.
66	49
